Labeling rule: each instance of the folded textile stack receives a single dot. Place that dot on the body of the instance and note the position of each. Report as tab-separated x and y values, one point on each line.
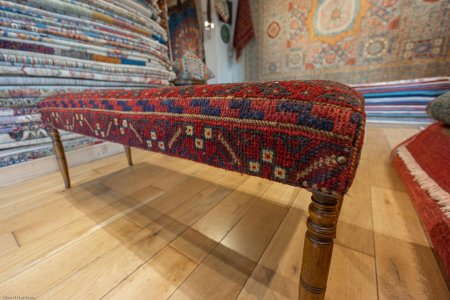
402	102
55	46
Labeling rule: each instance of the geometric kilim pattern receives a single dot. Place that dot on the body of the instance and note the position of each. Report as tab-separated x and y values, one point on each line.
302	133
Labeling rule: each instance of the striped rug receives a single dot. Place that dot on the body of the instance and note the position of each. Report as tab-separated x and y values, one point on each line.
402	102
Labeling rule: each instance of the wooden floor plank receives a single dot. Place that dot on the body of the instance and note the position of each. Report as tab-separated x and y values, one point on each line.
109	270
355	227
406	266
406	270
195	244
48	185
8	243
394	139
382	173
99	277
394	216
409	132
156	279
225	270
79	205
70	205
204	233
147	214
216	224
52	270
53	182
28	255
80	200
44	213
352	275
277	274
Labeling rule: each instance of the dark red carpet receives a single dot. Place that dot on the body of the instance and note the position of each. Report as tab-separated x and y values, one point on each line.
426	177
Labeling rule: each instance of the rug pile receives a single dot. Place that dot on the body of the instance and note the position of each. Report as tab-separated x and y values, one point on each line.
401	102
54	46
424	166
349	41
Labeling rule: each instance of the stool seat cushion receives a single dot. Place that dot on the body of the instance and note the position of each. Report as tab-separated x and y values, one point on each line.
302	133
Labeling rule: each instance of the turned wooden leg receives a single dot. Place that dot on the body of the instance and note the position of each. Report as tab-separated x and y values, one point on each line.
59	154
318	248
128	153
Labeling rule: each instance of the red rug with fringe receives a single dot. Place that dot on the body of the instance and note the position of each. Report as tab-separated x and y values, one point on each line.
423	163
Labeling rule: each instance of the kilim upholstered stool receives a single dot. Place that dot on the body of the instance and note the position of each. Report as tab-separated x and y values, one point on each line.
303	133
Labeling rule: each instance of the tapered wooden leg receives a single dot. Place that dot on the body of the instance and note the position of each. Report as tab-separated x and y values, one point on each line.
318	248
60	155
128	153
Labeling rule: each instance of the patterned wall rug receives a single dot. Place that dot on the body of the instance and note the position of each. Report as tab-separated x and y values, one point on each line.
349	41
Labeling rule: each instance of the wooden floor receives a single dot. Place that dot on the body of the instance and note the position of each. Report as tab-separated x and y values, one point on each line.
172	229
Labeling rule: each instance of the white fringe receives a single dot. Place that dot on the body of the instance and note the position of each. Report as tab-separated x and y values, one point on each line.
427	183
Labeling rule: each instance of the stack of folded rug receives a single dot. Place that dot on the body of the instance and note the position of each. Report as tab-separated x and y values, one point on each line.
401	102
54	46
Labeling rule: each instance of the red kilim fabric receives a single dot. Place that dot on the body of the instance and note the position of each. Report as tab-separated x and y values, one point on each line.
431	149
244	32
302	133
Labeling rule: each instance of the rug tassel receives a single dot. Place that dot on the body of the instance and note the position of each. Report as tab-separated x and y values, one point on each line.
426	182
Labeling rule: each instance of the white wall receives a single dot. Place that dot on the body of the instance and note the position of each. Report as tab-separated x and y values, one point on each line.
218	58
